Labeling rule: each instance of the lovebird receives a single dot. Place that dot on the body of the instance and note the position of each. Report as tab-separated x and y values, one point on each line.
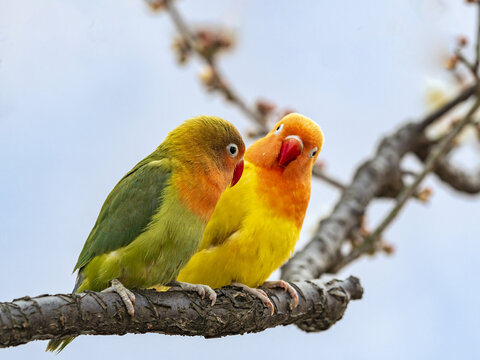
153	220
256	224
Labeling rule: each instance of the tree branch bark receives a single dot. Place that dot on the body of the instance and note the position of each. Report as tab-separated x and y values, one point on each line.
173	312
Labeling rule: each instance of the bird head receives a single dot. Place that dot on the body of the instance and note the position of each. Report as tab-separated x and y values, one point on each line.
210	146
292	146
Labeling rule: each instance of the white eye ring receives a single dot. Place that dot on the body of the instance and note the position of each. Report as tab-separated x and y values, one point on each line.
278	129
232	150
313	152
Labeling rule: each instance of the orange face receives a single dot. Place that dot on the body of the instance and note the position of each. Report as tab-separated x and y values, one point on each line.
292	146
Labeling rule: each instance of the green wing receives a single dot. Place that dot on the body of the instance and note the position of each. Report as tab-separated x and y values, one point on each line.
128	209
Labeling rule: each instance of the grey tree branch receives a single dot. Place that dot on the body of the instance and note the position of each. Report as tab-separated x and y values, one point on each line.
173	312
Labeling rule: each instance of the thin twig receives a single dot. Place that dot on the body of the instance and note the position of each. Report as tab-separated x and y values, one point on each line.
477	42
320	174
229	93
435	115
467	63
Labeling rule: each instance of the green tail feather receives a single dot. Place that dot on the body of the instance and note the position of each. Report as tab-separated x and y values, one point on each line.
58	345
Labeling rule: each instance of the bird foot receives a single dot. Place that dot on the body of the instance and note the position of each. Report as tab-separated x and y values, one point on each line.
201	289
259	293
127	296
285	286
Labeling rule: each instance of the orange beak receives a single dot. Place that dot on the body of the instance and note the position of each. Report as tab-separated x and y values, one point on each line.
292	147
237	172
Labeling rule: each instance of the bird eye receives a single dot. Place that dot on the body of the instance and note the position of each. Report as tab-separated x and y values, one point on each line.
313	152
232	150
278	129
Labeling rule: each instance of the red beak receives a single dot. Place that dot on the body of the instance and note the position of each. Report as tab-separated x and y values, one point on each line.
237	173
292	147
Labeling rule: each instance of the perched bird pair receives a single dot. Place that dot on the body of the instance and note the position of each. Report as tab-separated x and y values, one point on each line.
152	222
257	223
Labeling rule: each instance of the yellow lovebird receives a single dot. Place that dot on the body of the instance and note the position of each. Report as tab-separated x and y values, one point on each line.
256	224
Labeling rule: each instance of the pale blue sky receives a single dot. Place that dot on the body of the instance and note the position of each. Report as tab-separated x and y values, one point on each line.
88	88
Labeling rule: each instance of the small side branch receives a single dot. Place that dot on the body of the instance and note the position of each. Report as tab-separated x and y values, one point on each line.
319	173
477	41
451	174
174	312
460	98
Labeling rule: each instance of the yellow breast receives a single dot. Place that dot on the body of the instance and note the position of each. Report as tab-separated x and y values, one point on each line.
246	239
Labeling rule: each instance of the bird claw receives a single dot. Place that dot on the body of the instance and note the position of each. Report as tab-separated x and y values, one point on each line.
201	289
126	295
285	286
258	293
